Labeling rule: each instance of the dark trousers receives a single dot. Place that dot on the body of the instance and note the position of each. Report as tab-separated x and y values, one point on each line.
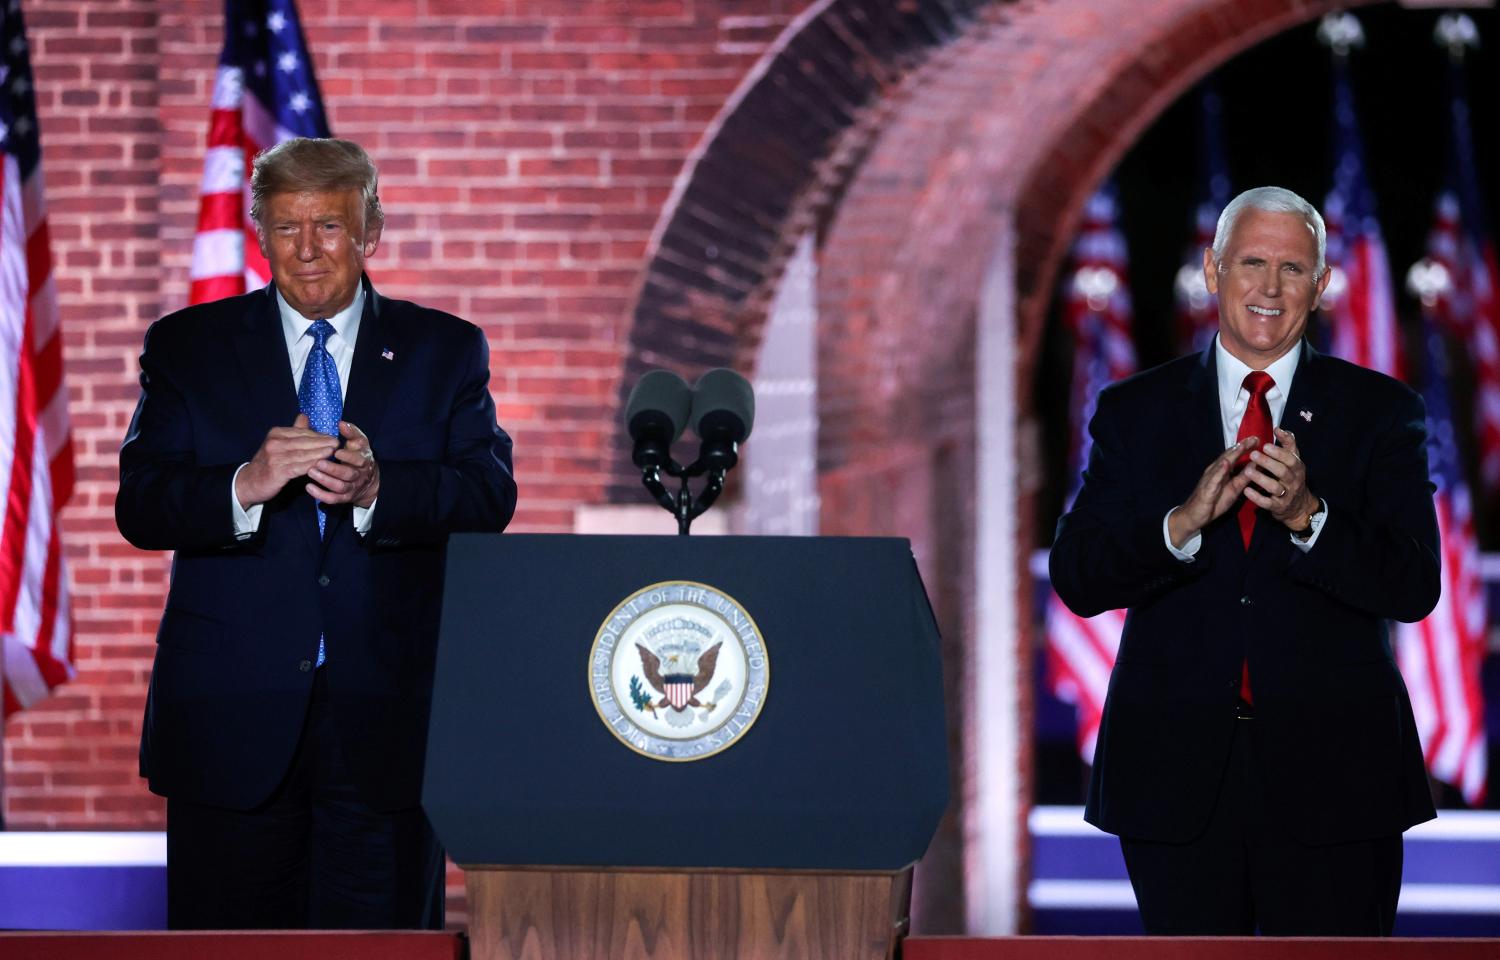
1245	873
313	856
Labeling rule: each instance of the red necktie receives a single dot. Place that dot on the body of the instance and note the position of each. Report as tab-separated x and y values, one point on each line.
1256	423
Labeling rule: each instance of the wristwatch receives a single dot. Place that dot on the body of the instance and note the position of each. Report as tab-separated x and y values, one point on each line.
1314	523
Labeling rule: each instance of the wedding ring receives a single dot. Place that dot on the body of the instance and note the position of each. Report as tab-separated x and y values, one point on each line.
1282	493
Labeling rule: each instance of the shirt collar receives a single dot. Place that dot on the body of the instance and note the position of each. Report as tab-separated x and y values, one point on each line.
1233	370
345	323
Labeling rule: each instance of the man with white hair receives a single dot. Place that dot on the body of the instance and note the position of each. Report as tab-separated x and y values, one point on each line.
1262	511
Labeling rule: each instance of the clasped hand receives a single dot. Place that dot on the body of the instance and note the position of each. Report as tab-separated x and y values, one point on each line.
351	476
1274	479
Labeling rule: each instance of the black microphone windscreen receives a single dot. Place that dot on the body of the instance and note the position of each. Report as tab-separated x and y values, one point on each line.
723	400
660	397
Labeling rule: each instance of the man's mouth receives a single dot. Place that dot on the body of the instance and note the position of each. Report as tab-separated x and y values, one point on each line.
1264	311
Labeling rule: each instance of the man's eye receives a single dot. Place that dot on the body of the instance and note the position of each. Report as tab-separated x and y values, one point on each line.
1292	268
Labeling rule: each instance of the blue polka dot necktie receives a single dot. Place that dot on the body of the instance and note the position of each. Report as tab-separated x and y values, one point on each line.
319	397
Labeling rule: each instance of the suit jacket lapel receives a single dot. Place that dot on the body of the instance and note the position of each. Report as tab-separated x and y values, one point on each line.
1306	397
1305	403
373	372
372	376
1204	425
261	348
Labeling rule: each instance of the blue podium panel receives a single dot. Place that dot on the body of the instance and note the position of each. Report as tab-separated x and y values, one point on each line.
845	766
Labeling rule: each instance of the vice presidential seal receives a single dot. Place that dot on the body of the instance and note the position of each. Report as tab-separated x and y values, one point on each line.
678	671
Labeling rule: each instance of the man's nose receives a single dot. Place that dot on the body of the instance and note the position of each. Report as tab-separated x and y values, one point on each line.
1270	284
307	247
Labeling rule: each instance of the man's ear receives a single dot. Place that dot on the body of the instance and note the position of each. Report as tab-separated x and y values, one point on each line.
1210	271
260	241
1322	286
372	239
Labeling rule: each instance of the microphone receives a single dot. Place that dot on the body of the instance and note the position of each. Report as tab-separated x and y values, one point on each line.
723	413
656	414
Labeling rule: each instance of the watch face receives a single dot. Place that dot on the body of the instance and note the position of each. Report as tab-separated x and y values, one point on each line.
1314	521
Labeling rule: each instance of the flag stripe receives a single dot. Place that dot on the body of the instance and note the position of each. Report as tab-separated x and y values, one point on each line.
36	456
22	435
223	176
216	288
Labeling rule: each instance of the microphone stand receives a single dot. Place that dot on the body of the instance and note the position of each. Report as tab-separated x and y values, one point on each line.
714	462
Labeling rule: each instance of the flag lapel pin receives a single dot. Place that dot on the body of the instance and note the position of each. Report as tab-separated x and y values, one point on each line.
1306	415
390	354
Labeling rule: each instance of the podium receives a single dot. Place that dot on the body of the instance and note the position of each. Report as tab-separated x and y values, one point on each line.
680	747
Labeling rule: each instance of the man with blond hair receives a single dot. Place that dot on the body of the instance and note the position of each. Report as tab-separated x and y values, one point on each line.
306	449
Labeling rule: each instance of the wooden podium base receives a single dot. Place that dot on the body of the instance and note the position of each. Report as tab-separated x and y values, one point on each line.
542	914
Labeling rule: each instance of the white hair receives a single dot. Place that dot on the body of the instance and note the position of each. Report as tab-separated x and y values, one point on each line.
1271	200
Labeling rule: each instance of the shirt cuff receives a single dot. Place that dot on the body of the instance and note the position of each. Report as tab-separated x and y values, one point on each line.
363	517
1316	522
246	521
1190	549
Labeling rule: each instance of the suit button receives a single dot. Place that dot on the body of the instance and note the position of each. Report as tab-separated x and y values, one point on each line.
305	666
1246	601
323	580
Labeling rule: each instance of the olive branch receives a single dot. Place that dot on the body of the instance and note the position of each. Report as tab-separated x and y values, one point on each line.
639	696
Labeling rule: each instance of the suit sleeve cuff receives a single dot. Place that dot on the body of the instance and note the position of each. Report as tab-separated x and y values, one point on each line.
246	519
364	516
1189	551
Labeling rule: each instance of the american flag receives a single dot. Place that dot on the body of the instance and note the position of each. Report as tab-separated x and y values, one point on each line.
1360	297
36	447
1441	656
1197	309
1081	651
265	92
1469	306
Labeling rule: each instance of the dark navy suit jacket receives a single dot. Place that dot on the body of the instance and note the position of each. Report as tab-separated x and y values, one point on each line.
1333	733
233	670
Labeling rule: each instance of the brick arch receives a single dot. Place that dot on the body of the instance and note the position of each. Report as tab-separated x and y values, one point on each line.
946	204
774	159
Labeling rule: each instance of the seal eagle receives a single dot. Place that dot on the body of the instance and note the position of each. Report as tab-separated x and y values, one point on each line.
679	690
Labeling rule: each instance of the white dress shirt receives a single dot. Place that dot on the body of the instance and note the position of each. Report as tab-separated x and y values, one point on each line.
1234	399
299	343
